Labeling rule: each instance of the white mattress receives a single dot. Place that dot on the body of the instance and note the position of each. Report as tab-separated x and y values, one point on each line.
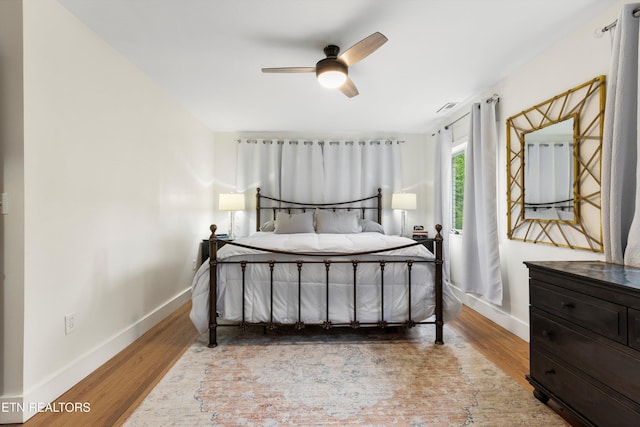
257	300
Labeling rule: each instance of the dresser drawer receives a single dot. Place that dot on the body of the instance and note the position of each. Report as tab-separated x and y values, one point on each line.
581	395
634	328
606	363
605	318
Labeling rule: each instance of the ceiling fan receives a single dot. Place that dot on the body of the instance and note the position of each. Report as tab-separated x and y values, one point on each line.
333	71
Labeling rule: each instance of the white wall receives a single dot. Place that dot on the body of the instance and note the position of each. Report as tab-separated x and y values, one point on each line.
573	61
118	183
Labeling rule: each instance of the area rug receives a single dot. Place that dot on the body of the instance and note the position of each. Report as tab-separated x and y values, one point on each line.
338	378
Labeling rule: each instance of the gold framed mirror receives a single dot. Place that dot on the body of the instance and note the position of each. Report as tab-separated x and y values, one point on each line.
553	169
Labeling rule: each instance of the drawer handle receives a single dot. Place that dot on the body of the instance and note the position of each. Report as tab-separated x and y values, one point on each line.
547	334
550	371
568	305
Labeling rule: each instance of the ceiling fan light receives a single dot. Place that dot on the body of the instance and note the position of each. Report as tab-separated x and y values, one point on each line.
331	73
332	79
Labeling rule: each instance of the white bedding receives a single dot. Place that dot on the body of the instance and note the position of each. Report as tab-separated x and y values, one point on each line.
285	299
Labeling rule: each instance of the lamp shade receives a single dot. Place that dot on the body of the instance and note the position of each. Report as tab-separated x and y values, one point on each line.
231	202
403	201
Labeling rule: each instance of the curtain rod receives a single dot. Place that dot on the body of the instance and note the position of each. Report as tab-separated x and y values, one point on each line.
494	98
454	122
635	13
321	141
457	120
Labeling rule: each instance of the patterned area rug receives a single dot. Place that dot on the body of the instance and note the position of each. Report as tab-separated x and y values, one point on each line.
338	378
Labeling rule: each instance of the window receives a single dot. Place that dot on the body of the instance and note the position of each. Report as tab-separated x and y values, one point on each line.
457	186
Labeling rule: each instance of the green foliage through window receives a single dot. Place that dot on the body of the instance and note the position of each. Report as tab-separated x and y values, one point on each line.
457	187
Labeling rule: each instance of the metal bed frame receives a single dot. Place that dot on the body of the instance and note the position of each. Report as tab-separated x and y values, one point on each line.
364	205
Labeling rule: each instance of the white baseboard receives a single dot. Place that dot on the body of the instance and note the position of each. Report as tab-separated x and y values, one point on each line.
494	313
18	409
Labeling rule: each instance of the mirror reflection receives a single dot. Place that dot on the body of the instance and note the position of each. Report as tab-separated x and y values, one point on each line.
550	172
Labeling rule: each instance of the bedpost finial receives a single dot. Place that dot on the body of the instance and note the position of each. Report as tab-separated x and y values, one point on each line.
258	190
213	229
438	230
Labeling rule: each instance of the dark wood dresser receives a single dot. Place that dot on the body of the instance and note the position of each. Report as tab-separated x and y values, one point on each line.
585	339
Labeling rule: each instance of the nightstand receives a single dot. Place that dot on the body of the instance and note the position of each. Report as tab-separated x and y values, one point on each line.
426	242
204	247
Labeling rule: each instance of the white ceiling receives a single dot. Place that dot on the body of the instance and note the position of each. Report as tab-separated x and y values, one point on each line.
208	54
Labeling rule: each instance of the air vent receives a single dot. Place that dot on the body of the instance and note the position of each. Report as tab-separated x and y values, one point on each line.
446	107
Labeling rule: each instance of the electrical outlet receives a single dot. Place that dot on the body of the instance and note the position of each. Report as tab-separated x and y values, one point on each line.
4	203
194	265
69	323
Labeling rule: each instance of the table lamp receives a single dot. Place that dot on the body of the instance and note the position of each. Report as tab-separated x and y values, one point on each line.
403	202
231	202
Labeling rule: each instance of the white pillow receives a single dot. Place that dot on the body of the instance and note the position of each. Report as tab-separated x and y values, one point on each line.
369	225
337	222
268	225
287	223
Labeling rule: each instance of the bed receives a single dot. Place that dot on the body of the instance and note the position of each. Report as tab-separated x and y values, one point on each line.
326	264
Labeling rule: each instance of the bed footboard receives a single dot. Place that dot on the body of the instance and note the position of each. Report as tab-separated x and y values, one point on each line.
328	323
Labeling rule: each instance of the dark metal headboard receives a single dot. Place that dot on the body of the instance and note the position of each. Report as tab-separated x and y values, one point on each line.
276	205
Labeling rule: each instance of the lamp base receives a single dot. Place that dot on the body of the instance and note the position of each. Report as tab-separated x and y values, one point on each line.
403	226
232	225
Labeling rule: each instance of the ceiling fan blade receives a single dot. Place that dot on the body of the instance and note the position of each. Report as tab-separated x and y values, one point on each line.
290	70
363	48
349	88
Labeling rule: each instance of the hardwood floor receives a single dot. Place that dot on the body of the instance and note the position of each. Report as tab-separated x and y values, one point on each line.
509	352
118	387
506	350
115	389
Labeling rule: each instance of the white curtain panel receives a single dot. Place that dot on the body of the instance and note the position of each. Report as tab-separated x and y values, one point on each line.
442	208
315	171
480	251
302	172
620	189
382	167
258	163
344	162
